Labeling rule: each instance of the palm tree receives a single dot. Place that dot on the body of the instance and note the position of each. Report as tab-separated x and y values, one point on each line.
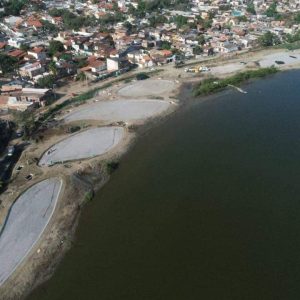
53	68
81	76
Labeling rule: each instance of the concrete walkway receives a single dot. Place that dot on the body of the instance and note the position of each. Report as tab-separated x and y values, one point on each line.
26	221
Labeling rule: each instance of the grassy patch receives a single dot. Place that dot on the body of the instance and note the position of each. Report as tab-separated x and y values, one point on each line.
112	166
213	85
291	46
89	196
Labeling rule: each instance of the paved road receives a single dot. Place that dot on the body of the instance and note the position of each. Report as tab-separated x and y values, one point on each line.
86	144
25	223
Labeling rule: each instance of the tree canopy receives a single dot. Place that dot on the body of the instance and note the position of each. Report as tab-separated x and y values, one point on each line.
251	8
55	46
272	10
7	63
269	39
46	81
14	7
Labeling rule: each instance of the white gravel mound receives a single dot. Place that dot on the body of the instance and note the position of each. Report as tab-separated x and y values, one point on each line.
25	223
119	110
86	144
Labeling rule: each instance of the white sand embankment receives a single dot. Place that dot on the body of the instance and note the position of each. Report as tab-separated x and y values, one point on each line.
86	144
119	110
26	221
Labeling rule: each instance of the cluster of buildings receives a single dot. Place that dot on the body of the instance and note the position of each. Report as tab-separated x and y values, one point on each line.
100	50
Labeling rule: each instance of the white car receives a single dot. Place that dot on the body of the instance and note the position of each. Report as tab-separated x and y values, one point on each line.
10	150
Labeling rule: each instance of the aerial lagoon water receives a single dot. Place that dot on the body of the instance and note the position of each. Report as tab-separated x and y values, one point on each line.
205	206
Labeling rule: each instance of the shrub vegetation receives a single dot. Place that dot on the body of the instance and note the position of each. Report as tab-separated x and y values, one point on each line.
212	85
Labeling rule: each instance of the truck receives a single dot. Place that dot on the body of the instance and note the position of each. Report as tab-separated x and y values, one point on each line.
197	69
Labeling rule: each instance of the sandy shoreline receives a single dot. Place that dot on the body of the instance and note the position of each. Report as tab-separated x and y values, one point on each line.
83	174
82	177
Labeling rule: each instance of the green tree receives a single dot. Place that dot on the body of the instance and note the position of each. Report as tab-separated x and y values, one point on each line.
66	56
55	46
197	50
81	76
128	26
142	76
269	39
293	38
251	8
242	19
7	63
201	39
46	81
272	10
225	7
24	47
155	20
180	21
49	27
166	45
297	18
52	68
25	119
14	7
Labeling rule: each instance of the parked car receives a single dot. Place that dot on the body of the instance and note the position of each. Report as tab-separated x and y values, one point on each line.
19	132
10	150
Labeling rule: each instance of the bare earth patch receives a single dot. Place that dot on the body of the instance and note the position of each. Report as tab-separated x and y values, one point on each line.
288	58
147	87
26	221
226	69
86	144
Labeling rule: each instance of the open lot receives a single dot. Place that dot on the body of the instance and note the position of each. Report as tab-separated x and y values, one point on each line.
288	58
147	87
86	144
26	221
229	68
119	110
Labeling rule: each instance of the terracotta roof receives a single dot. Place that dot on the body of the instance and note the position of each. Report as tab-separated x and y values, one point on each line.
37	49
35	23
68	43
166	52
58	19
2	45
87	68
3	100
16	53
96	63
91	58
